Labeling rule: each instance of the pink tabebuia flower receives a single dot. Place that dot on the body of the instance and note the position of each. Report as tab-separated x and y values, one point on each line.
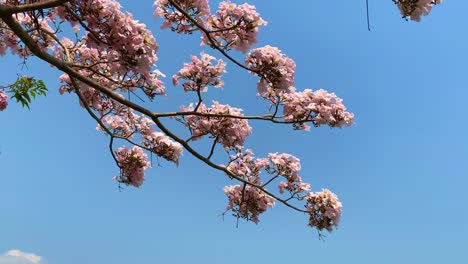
288	166
247	202
162	146
320	107
246	166
275	69
415	9
175	20
228	131
109	30
324	209
234	26
200	73
3	100
133	163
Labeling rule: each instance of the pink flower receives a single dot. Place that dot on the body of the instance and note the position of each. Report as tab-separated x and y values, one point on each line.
324	210
200	73
132	163
275	69
287	166
246	166
125	42
248	202
3	100
234	26
228	131
175	20
162	146
319	107
414	9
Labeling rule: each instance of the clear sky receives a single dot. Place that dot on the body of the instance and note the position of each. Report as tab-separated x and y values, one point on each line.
400	172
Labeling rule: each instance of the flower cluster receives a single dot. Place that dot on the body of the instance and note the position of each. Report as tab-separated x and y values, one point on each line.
103	68
126	43
92	97
8	40
275	69
200	73
3	100
228	131
288	166
246	166
125	124
320	107
122	125
234	26
414	9
324	209
162	146
247	202
175	20
255	200
132	162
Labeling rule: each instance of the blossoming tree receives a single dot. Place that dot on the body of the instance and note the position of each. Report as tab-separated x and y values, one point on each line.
104	54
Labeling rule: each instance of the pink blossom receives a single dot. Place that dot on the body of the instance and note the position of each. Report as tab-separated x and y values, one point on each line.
3	100
120	37
248	202
324	210
175	20
228	131
8	40
126	123
414	9
201	73
234	26
161	145
274	68
319	107
287	166
133	163
246	166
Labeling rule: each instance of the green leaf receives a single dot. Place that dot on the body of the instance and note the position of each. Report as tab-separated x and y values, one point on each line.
26	87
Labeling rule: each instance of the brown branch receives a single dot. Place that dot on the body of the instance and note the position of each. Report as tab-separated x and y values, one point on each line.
9	10
63	66
218	167
207	33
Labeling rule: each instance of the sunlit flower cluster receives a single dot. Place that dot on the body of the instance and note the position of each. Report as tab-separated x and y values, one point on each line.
246	166
234	26
126	42
320	107
230	132
175	20
8	40
287	166
247	202
275	69
126	124
162	145
3	100
200	73
132	162
415	9
324	209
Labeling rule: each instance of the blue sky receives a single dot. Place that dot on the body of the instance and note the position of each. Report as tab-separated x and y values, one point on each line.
400	172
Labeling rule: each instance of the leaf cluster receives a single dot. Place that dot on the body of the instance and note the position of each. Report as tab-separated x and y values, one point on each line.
27	88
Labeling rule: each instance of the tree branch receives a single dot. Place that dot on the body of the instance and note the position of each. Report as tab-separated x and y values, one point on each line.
9	10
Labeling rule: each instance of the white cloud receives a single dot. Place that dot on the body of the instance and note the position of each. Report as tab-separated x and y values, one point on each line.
15	256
